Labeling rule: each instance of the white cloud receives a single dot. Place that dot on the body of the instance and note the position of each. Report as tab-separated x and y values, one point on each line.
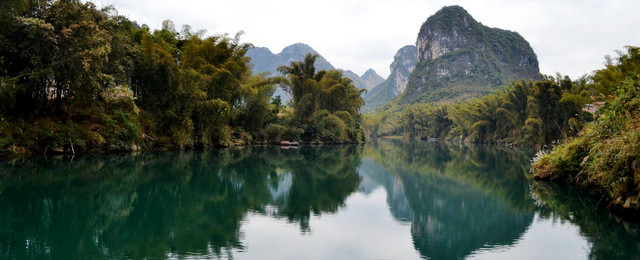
570	37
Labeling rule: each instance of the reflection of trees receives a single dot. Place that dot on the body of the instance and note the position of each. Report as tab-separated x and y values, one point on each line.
321	182
463	198
498	172
468	197
157	204
610	236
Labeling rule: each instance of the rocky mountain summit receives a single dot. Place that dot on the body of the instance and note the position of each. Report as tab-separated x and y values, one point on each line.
371	78
403	63
459	58
264	60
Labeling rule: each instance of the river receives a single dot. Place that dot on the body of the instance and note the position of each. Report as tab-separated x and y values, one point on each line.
383	200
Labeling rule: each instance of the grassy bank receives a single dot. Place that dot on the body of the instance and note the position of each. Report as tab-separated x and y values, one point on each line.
605	157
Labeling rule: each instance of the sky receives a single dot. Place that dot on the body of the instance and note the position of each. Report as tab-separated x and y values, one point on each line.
570	37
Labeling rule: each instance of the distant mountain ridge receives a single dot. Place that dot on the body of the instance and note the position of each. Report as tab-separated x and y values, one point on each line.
403	64
460	58
373	79
264	60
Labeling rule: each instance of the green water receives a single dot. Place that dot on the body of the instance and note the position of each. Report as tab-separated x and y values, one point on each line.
384	200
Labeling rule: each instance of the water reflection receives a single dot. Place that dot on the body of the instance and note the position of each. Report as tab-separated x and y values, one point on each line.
609	236
373	175
473	200
450	201
156	205
463	198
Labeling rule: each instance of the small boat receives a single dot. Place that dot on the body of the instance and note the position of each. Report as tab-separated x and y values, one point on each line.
287	143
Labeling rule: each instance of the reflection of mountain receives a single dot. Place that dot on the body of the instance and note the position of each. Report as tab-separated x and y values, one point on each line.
398	204
280	185
460	201
463	198
466	198
452	219
157	205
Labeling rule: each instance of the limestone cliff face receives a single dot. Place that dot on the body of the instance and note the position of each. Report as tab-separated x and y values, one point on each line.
459	58
403	63
448	30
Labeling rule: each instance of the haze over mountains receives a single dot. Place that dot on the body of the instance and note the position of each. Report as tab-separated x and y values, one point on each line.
403	64
367	81
264	60
455	58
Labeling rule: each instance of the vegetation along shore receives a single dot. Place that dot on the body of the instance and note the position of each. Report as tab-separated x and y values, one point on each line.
75	78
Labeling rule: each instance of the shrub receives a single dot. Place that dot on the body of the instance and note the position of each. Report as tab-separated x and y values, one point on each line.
332	129
274	133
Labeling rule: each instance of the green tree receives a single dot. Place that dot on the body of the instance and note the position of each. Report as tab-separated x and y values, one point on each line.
326	104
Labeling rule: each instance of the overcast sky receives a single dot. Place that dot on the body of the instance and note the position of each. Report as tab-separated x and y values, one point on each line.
570	37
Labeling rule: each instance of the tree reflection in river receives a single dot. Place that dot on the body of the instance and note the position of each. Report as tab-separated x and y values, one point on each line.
451	201
155	205
468	198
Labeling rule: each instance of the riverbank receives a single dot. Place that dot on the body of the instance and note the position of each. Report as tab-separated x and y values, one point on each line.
48	137
605	157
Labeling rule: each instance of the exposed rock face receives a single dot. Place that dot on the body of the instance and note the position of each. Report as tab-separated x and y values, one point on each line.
262	59
449	29
459	58
403	63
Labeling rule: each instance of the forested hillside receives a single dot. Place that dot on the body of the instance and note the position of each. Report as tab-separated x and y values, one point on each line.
77	78
525	113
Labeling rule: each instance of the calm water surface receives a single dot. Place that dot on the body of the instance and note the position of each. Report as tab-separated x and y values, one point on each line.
384	200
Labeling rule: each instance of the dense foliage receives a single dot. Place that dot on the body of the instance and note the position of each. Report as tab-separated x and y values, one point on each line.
76	77
524	113
326	104
606	154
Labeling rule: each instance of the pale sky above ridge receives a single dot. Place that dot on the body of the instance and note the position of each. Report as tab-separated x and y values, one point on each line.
570	37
